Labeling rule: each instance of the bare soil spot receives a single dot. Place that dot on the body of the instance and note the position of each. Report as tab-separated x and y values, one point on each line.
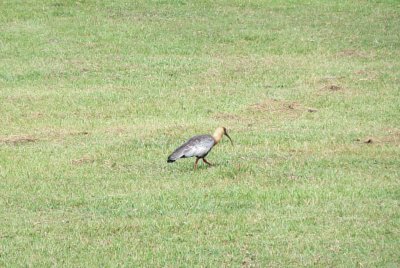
18	139
368	140
79	133
332	87
393	138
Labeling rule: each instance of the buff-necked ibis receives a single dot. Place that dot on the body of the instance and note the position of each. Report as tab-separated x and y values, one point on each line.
199	146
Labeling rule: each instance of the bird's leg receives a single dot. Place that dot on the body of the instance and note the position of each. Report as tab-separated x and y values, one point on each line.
205	161
195	163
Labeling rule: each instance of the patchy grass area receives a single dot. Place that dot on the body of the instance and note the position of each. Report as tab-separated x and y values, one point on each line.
95	95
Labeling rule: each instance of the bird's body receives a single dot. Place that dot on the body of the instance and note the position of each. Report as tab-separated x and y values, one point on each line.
198	146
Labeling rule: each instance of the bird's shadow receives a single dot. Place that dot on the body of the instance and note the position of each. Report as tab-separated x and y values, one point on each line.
206	166
200	167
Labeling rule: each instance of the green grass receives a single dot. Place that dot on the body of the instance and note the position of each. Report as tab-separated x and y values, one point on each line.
95	95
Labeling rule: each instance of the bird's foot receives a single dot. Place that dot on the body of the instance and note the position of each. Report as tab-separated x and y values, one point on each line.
205	161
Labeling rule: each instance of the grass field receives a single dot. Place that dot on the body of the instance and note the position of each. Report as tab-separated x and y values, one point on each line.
94	96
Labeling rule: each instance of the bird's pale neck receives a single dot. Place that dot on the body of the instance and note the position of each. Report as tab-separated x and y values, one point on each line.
219	132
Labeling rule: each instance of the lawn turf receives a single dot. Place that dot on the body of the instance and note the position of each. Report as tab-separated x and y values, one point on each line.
94	95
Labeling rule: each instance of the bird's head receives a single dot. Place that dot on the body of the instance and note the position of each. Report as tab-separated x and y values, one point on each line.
219	132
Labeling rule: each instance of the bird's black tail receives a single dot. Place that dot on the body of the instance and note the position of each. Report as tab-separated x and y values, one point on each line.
170	160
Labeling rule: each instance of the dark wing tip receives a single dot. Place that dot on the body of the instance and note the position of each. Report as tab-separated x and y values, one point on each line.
170	160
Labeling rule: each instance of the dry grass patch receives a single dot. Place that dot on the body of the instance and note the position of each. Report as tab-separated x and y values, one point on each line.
18	139
83	160
118	130
56	134
44	135
365	75
354	53
278	107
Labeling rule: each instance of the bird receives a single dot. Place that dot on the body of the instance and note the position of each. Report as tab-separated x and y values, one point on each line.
199	146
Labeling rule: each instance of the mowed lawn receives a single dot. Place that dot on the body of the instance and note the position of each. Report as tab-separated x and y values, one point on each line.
94	95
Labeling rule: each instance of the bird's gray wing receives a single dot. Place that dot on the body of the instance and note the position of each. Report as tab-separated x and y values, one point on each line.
196	146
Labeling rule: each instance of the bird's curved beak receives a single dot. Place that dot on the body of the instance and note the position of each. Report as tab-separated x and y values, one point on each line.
226	134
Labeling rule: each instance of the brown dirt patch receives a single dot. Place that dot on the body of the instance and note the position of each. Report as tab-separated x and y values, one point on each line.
18	139
393	138
368	140
332	87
